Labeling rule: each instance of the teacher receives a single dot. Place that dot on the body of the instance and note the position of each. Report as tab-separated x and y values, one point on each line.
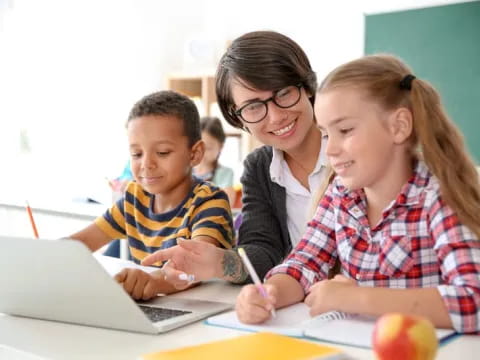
265	86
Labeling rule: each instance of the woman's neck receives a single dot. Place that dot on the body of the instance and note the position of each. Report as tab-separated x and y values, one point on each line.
307	153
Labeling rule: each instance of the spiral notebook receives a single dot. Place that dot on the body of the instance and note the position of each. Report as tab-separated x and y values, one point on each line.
335	327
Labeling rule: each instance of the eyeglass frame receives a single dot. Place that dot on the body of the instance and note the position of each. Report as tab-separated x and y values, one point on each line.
238	113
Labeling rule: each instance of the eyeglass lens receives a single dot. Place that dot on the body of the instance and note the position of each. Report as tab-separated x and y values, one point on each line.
283	98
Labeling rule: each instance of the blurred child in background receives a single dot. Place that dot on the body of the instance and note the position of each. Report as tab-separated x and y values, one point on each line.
209	168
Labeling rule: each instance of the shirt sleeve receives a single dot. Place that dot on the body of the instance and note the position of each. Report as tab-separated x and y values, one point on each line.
458	250
223	177
112	222
316	253
212	217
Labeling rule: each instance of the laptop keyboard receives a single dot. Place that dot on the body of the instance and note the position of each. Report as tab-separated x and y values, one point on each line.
157	314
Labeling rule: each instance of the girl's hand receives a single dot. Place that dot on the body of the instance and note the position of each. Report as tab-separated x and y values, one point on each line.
252	307
328	295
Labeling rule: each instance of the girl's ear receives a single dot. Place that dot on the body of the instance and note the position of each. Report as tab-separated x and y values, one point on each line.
401	125
198	149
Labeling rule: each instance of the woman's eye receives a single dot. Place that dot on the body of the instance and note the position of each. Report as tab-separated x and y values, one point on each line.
253	107
345	131
283	93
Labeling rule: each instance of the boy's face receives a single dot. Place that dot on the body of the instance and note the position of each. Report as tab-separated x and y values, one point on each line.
161	158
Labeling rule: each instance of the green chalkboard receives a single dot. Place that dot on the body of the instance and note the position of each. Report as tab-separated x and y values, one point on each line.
442	45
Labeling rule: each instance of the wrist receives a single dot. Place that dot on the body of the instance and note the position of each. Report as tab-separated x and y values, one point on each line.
219	272
354	298
232	267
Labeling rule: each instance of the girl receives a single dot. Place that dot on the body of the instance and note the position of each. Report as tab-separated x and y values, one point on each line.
209	169
402	214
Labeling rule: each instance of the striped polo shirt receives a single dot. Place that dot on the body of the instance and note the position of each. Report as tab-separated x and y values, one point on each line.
204	211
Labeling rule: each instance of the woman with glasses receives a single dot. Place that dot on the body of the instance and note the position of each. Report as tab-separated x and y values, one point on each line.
265	86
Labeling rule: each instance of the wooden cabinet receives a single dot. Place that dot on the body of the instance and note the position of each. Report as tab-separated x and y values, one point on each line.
196	87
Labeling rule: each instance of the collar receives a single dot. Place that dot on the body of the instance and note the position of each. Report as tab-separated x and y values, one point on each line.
411	192
278	162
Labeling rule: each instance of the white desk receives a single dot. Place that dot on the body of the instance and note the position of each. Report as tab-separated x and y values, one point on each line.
61	341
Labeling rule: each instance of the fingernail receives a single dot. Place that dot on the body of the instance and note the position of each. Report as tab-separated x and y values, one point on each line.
165	263
187	277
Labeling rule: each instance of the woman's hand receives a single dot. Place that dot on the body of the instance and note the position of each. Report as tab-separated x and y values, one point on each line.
193	257
252	307
328	295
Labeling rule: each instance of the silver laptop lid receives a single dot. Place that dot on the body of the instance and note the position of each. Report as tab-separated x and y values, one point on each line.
60	280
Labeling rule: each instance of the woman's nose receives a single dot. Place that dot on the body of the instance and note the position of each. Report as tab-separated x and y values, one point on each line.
275	113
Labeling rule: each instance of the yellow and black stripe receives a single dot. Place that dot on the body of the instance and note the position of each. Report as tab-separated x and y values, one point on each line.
204	211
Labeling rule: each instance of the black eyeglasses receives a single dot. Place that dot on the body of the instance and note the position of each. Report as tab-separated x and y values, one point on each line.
257	110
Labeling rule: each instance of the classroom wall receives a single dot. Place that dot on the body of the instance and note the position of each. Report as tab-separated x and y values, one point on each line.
71	70
442	45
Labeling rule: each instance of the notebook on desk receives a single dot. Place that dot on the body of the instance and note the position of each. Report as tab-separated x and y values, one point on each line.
60	280
335	327
259	346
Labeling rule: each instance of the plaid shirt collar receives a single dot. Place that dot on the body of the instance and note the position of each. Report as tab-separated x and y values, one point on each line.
410	194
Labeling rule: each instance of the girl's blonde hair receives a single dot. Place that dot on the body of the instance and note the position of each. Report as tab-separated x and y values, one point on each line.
435	137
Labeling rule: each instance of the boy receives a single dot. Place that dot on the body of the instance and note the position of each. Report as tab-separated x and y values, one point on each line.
165	202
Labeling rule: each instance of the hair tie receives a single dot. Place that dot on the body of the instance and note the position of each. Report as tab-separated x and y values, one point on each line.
406	82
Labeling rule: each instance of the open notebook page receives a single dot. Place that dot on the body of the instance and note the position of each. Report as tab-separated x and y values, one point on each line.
291	320
356	331
295	320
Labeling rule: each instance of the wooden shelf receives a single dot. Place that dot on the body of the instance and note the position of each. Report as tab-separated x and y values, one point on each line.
202	87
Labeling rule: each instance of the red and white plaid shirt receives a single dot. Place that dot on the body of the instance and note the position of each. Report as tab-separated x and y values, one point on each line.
419	242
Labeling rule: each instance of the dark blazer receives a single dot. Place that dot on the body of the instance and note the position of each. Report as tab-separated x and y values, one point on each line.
263	233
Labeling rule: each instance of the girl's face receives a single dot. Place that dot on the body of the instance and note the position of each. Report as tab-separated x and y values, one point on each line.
363	144
213	147
284	129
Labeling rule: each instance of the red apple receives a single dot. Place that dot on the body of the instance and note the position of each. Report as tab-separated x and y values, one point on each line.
404	337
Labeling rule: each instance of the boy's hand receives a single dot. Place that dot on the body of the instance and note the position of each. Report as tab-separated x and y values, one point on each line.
139	284
328	295
252	307
194	257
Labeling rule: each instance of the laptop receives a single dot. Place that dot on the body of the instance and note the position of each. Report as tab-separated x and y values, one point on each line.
60	280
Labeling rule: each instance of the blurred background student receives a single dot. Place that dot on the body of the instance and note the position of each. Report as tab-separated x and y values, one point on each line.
118	186
209	168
